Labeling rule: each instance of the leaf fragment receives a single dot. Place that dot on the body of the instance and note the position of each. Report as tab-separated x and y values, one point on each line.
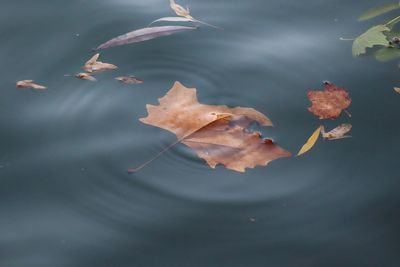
92	65
337	133
329	103
144	35
128	79
372	37
311	141
397	89
86	76
218	134
30	84
377	11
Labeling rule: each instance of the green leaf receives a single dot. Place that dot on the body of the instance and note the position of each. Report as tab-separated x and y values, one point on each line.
377	11
370	38
387	54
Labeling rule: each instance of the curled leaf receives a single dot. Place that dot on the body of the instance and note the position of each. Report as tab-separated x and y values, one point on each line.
311	141
180	10
328	104
372	37
380	10
85	76
128	79
144	35
218	134
337	133
26	84
92	65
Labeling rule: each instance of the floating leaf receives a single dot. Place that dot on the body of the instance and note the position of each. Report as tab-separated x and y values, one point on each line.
377	11
180	10
387	54
26	84
328	104
392	22
310	142
183	19
85	76
144	35
92	65
397	89
337	133
129	79
218	134
172	19
372	37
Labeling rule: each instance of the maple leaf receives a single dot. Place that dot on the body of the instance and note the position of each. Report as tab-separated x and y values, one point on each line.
328	104
26	84
218	134
92	65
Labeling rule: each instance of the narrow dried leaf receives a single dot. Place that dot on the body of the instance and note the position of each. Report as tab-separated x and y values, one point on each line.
29	84
397	89
172	19
85	76
92	65
129	79
377	11
328	104
337	133
310	142
180	10
180	19
144	35
218	134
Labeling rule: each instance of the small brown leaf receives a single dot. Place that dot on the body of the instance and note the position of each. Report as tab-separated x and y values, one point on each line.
337	133
129	79
26	84
85	76
218	134
92	65
180	10
328	104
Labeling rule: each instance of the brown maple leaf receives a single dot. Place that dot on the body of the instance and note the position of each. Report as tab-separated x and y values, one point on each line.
328	104
26	84
92	65
218	134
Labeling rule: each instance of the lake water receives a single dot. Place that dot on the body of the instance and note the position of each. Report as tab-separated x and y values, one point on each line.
66	199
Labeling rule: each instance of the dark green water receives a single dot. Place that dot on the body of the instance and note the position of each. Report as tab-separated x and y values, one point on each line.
67	201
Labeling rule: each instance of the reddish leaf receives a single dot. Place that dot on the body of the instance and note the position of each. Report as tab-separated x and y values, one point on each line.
328	104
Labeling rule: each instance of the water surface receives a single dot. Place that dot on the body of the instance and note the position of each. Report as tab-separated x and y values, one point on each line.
67	201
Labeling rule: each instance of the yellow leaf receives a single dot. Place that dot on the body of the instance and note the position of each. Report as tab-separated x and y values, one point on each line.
311	141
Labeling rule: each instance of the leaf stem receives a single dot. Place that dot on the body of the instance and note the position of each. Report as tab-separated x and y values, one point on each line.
133	170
